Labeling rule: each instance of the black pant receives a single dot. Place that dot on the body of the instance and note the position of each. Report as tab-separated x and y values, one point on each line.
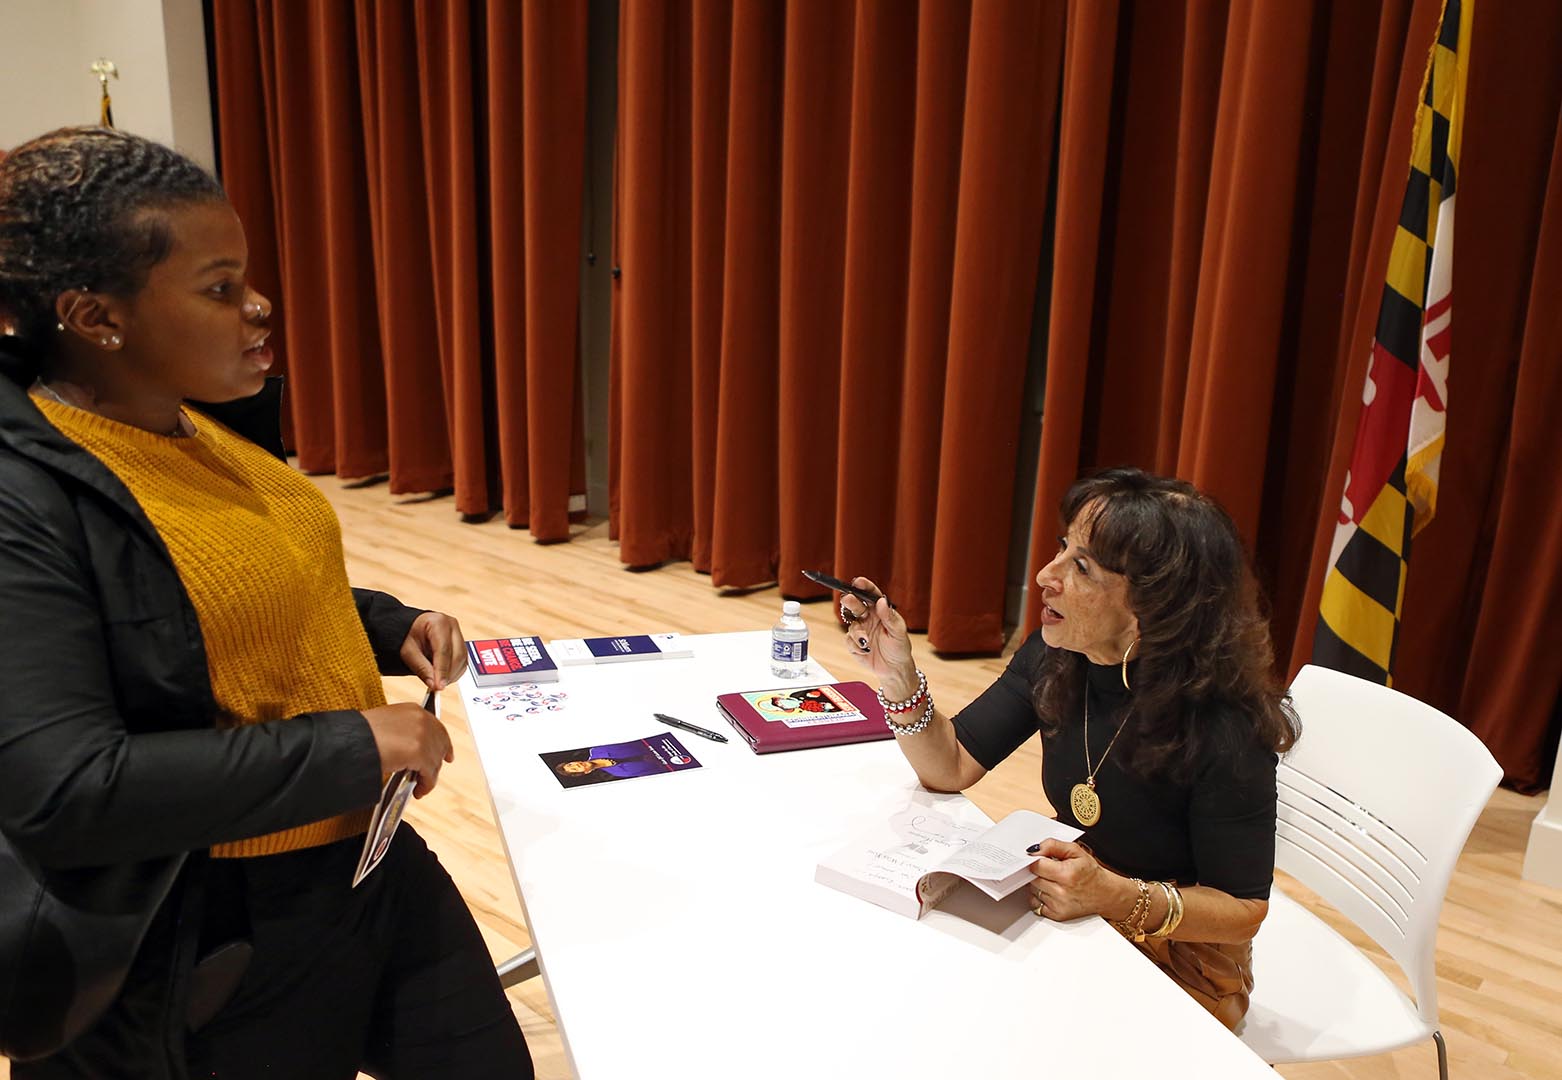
391	978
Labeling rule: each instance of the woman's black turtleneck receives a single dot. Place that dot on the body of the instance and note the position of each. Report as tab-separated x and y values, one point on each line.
1217	829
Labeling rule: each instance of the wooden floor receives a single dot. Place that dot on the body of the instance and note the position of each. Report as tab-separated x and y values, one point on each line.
1500	946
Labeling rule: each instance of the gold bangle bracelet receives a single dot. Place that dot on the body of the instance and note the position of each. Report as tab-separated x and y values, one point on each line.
1171	911
1174	910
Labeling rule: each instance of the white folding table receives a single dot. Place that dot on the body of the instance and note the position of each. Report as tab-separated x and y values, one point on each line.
681	934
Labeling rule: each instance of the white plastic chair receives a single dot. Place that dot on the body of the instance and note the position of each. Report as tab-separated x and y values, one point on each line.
1376	801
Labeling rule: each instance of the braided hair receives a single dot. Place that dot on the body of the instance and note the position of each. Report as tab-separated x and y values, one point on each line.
78	209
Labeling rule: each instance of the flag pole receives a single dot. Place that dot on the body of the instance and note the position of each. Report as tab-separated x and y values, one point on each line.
103	67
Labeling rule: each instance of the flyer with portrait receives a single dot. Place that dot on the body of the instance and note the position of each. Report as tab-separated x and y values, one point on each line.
604	763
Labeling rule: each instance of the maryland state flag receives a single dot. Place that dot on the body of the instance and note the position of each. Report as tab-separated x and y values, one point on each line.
1391	488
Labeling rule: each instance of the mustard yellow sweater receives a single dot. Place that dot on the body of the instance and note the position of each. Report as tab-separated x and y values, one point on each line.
259	551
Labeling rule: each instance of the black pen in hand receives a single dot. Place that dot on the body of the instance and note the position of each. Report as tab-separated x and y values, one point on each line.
686	726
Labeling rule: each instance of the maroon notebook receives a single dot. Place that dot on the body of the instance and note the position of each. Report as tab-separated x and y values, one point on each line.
797	717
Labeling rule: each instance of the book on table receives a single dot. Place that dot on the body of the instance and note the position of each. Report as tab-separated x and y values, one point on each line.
911	862
799	717
506	661
616	649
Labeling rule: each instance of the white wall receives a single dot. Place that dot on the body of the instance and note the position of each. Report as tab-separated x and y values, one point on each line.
1543	857
47	47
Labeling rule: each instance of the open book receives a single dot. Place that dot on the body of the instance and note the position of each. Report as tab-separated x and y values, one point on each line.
911	862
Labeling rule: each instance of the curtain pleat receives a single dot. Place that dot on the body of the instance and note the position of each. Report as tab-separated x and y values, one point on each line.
548	177
245	163
1086	108
651	370
1513	681
710	70
1011	100
821	168
744	538
414	173
323	235
943	42
477	386
781	160
402	262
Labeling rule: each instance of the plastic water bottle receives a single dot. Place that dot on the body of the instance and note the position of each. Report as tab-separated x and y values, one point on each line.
789	643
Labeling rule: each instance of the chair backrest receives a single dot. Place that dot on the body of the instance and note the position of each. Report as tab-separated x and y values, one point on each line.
1376	801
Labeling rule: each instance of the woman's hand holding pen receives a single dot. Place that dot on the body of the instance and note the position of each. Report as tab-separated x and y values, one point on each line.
878	638
1071	883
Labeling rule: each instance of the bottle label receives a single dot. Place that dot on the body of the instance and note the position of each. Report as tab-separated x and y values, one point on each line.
788	652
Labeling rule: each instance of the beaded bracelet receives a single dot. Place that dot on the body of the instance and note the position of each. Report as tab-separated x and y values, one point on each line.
912	729
911	702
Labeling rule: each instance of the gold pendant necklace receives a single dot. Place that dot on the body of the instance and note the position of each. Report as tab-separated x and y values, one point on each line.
1083	799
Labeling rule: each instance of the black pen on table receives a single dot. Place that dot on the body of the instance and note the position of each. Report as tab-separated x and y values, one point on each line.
686	726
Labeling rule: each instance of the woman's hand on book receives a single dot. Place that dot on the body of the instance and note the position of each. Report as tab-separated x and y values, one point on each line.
1071	883
409	737
434	650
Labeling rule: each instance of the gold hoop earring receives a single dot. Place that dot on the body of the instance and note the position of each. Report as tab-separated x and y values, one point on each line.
1125	662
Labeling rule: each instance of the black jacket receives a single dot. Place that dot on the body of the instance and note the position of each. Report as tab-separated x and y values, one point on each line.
113	778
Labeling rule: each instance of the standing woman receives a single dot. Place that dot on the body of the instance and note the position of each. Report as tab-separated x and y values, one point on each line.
1151	681
194	730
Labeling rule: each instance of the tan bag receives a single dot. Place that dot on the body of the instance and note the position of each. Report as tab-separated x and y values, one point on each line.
1218	977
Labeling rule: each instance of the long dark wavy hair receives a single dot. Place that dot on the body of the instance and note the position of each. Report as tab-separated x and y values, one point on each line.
1205	677
78	209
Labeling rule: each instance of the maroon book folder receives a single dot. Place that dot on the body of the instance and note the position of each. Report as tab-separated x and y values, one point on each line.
798	717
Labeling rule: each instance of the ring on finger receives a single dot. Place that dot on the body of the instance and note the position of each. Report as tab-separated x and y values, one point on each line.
846	614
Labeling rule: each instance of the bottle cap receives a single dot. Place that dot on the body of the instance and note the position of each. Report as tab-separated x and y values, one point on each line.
791	607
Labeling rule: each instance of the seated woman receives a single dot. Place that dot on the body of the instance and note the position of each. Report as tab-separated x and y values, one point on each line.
1152	685
197	729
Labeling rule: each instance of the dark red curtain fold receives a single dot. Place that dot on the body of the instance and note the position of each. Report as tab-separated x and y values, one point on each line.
744	540
547	177
1011	100
823	172
857	260
413	174
652	251
943	46
402	262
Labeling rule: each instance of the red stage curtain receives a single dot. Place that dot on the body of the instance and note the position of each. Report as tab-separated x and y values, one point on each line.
829	223
410	179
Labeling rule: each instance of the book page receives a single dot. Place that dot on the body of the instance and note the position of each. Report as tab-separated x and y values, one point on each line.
998	855
900	851
918	841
